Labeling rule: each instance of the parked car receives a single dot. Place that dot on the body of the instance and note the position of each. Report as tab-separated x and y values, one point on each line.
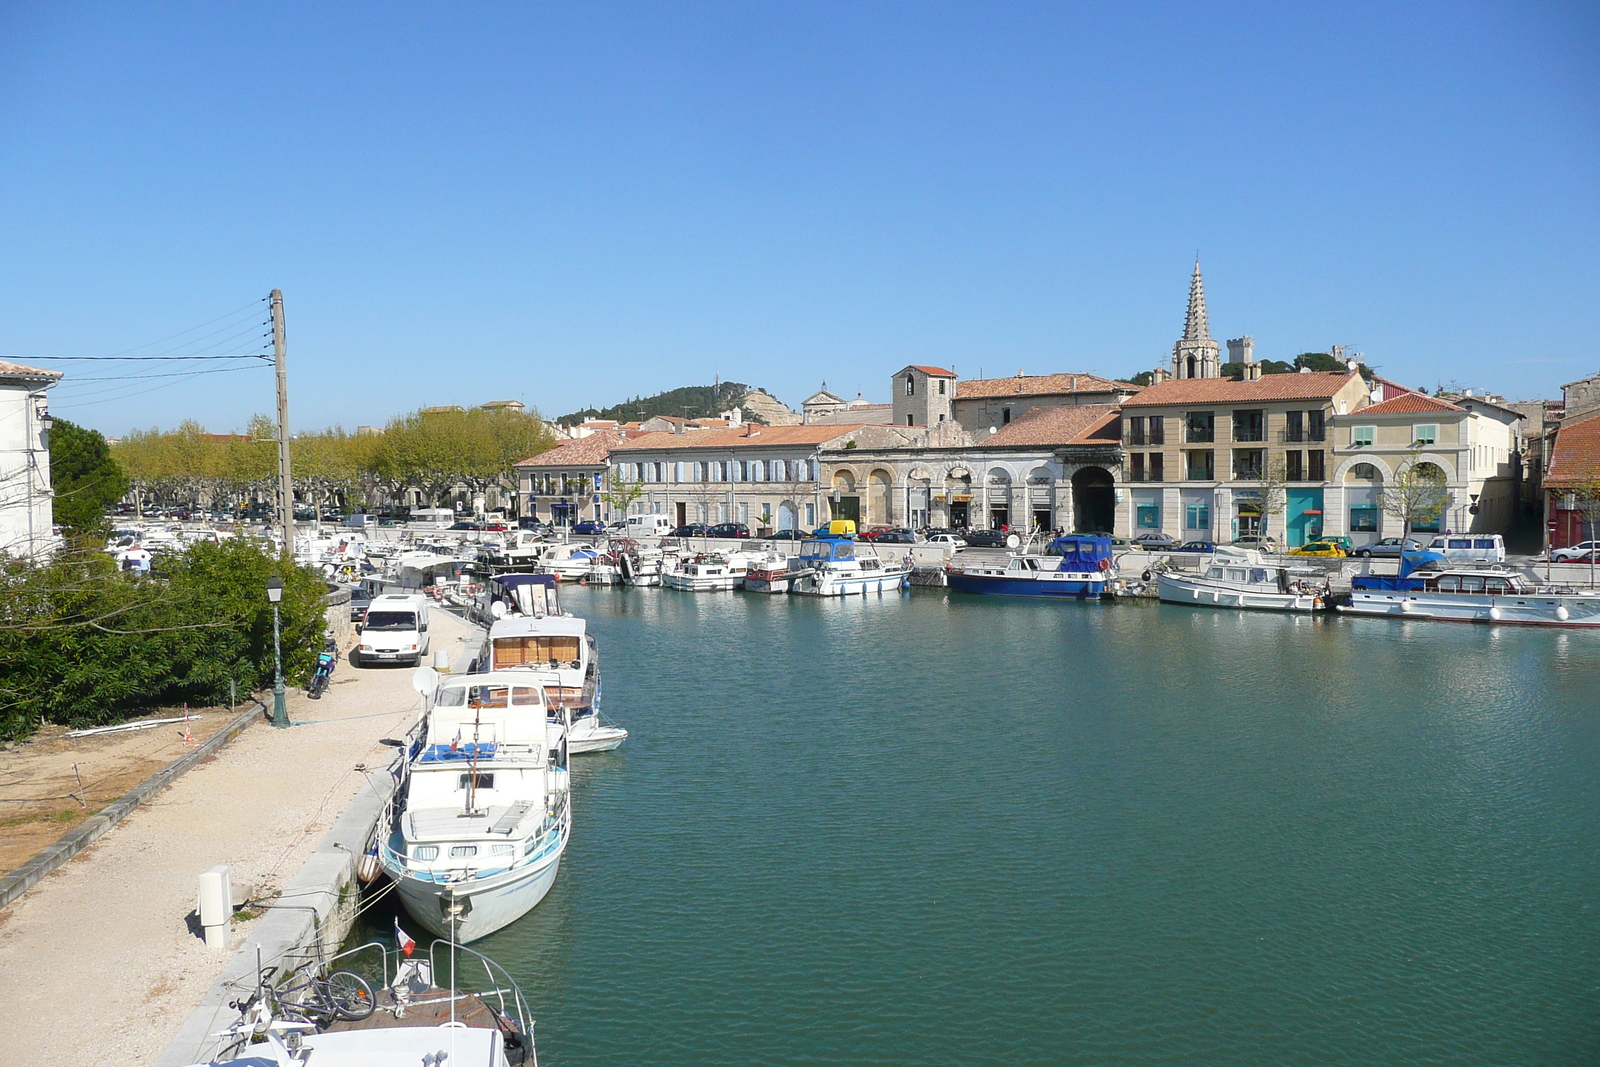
495	527
1388	548
896	537
986	538
589	526
1324	549
1153	541
689	529
950	539
872	533
790	535
1470	548
1334	539
1573	553
1259	542
528	522
620	524
1202	547
466	526
729	529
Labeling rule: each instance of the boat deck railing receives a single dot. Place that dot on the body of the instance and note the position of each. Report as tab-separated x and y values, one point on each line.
549	836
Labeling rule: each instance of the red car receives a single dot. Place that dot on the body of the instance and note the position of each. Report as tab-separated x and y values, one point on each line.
875	532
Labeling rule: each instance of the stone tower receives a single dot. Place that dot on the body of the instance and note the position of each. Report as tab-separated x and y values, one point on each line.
1197	355
923	396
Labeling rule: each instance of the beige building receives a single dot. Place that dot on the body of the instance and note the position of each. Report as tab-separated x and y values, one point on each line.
567	484
1198	449
762	476
1475	444
993	402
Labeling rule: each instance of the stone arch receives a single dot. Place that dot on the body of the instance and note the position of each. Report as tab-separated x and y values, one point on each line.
1342	473
998	493
788	515
1042	498
844	481
1094	500
844	502
880	496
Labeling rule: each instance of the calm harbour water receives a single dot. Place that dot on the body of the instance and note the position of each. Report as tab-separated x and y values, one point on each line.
922	829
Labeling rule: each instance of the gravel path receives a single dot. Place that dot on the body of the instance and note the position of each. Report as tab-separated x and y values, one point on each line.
98	962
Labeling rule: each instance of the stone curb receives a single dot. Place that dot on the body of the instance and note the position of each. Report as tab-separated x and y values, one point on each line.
306	922
76	840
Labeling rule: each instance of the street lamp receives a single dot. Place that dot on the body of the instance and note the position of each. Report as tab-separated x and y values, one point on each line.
280	713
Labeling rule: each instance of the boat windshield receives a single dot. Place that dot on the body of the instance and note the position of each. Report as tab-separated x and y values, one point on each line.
489	696
391	621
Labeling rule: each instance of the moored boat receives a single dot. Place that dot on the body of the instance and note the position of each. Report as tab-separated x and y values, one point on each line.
478	828
768	572
1240	578
1426	588
1076	567
837	565
707	572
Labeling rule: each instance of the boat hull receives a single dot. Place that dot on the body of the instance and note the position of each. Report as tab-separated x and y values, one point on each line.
497	901
692	583
767	581
1179	590
1517	610
1066	588
848	585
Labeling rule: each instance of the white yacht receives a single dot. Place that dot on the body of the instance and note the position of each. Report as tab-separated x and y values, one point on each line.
839	566
768	572
707	572
1240	578
529	632
479	825
568	562
1426	588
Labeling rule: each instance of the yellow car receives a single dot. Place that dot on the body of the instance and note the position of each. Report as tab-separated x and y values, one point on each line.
1318	548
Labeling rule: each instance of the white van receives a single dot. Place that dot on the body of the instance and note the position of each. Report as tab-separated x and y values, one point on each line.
394	630
649	526
1470	548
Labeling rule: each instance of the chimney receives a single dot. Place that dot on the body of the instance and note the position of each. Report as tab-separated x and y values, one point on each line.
1072	384
1159	375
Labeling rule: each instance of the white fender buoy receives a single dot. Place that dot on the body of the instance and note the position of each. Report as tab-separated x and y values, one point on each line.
1562	613
1494	613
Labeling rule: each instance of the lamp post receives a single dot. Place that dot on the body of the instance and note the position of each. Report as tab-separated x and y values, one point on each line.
280	713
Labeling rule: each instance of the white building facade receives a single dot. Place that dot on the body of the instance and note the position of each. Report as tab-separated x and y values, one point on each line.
26	514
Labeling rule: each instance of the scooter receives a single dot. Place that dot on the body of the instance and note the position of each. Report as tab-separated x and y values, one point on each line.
325	663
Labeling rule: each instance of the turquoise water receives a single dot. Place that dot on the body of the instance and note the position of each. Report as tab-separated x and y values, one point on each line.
922	829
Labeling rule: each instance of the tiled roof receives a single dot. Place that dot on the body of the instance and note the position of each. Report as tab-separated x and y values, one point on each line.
1084	424
1575	459
937	372
1409	404
9	369
1314	385
752	436
590	451
1039	385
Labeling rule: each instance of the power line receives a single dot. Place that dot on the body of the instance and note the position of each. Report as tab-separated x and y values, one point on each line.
175	374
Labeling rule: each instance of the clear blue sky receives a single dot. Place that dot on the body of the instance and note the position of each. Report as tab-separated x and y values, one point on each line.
571	204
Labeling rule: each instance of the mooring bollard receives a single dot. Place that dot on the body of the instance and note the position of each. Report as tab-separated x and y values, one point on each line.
216	905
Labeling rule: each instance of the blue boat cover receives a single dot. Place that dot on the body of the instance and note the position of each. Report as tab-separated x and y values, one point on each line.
1080	552
465	751
1385	583
1410	561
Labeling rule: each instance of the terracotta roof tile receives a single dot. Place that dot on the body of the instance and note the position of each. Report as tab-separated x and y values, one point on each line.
1575	459
1315	385
9	369
938	372
587	451
739	437
1080	425
1408	404
1039	385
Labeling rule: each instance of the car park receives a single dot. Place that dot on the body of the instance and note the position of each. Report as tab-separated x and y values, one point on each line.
1322	549
1583	551
1388	548
986	538
1153	541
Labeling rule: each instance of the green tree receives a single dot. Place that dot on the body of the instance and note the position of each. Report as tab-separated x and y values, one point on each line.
87	480
1416	494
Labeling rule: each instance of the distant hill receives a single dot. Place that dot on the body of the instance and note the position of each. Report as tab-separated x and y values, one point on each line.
691	401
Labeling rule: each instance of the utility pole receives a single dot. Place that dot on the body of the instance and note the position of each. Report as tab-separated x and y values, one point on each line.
285	480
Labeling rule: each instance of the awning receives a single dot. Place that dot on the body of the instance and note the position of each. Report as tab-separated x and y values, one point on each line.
1312	511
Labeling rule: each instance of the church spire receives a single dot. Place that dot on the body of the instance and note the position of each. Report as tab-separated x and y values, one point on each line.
1195	327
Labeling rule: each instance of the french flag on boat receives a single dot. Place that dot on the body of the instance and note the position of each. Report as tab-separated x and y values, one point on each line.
407	943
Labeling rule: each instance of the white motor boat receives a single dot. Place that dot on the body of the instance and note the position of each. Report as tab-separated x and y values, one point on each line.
708	572
569	562
839	566
529	632
1239	578
478	828
1426	588
768	572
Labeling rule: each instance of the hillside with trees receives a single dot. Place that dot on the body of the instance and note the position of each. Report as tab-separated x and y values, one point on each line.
689	402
